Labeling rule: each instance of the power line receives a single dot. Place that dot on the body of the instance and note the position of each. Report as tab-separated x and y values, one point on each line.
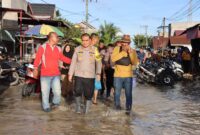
186	12
190	11
177	12
87	9
71	12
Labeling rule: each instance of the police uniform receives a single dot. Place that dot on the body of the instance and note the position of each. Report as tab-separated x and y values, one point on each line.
86	64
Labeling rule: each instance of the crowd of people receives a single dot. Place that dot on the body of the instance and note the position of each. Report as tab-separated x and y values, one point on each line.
91	69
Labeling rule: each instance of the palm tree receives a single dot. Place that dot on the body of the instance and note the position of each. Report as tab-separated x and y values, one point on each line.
108	32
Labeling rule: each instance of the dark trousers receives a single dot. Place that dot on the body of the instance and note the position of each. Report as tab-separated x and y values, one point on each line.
67	88
186	66
109	80
102	83
84	86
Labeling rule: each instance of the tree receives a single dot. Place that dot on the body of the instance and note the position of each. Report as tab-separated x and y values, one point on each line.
140	41
71	32
58	14
108	32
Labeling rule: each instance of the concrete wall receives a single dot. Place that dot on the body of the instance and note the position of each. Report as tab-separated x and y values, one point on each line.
10	19
17	4
6	3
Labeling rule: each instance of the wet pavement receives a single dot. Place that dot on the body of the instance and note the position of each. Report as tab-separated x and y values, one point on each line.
157	111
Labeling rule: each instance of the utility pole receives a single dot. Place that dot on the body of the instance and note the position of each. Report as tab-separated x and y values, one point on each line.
190	12
164	20
146	33
87	10
87	13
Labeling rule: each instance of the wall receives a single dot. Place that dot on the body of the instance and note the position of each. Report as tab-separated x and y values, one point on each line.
6	3
17	4
10	19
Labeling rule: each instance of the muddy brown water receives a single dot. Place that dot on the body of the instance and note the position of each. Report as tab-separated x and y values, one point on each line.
157	111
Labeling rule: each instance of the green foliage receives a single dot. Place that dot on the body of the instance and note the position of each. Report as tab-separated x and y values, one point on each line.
108	32
140	41
58	14
71	32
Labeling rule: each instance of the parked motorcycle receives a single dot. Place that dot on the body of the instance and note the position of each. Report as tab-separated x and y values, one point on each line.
32	84
8	72
164	72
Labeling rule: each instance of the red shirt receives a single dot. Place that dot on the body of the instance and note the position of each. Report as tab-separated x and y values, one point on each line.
52	57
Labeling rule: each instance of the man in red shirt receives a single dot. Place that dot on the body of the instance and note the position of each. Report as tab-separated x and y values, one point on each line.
48	57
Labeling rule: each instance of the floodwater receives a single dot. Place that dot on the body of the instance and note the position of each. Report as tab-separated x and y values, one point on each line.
157	111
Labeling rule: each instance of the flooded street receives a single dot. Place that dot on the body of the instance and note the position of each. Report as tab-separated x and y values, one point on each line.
157	111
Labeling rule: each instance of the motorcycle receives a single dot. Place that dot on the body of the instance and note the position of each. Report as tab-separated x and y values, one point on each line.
163	72
8	72
32	84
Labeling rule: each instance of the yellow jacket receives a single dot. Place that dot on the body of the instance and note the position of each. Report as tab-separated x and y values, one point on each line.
120	70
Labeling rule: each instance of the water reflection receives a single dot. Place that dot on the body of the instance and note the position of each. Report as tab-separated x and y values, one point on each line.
157	111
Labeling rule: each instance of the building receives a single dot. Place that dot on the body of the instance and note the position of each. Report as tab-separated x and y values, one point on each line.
9	20
86	27
160	42
180	26
173	39
180	40
9	13
43	11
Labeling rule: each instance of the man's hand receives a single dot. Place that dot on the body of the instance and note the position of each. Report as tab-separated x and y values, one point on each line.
98	77
70	78
130	50
63	67
35	73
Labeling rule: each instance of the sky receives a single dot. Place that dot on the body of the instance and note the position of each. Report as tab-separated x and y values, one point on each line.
128	15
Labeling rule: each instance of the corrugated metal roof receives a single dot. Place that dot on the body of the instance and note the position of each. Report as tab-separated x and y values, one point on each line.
43	9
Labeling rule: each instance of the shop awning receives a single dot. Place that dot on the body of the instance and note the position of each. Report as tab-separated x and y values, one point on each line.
48	22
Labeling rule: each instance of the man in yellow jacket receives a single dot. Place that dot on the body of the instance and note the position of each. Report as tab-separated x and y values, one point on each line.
124	58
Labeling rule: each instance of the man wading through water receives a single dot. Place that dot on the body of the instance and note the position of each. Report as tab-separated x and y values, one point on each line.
48	56
124	58
86	66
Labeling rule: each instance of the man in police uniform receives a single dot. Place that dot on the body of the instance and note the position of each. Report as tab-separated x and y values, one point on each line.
86	66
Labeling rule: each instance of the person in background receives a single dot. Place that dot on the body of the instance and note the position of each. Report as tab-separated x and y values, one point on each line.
109	70
94	39
48	56
186	60
86	66
124	58
67	87
141	55
179	56
118	43
102	51
148	55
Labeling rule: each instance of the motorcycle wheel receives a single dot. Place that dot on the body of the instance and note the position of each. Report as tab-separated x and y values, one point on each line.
14	79
27	90
24	90
167	80
179	75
